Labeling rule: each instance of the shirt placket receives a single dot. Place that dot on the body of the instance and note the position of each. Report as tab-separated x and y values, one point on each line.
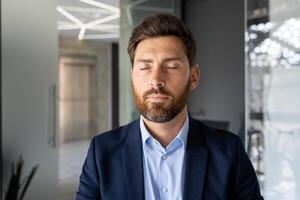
165	177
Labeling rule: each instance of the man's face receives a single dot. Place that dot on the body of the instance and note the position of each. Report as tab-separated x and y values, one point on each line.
162	78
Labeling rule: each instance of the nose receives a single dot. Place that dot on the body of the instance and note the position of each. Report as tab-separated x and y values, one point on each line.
157	78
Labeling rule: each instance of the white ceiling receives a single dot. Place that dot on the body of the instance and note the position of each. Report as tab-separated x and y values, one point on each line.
89	19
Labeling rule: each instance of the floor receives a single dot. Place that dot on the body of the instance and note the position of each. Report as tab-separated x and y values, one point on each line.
71	158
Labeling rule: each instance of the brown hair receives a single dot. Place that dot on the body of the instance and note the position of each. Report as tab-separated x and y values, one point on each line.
162	25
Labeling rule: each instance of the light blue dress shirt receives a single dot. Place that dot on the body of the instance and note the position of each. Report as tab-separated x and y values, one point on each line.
164	168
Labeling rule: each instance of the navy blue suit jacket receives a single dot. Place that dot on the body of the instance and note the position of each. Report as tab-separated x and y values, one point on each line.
217	166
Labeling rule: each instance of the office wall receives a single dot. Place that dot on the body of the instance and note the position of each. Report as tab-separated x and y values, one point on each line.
29	76
218	26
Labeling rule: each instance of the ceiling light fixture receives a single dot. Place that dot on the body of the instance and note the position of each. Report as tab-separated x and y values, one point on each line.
95	25
81	33
102	20
68	15
102	5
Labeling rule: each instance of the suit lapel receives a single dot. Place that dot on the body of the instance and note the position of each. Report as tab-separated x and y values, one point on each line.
196	160
133	163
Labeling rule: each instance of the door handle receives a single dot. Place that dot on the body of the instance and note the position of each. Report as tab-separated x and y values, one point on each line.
52	116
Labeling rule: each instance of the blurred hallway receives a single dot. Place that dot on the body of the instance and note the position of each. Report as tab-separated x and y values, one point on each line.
71	157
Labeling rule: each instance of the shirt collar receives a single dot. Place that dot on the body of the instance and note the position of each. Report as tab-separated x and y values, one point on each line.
182	134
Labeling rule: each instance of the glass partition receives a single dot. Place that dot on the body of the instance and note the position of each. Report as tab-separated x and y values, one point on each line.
273	95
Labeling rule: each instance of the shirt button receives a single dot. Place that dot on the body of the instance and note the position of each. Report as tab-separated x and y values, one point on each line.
164	157
165	190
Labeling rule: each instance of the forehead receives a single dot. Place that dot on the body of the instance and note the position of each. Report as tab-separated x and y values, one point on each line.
160	47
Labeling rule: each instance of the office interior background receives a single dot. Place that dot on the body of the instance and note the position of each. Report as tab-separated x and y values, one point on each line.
65	77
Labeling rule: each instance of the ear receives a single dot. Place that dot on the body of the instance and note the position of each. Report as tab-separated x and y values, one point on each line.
195	75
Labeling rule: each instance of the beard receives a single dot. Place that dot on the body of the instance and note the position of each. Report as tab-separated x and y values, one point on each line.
165	111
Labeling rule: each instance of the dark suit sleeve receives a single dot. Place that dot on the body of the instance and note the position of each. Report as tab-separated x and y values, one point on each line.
247	187
89	188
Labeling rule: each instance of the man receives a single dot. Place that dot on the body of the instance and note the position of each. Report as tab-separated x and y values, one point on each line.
166	154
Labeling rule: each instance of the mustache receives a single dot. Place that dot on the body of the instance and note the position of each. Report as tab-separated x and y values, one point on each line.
157	91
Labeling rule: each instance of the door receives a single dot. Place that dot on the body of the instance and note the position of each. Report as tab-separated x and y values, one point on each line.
29	80
77	118
77	99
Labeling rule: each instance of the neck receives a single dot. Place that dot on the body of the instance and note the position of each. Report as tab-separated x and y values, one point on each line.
166	132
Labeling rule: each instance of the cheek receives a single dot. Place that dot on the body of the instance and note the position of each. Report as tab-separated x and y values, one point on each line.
139	80
139	86
179	84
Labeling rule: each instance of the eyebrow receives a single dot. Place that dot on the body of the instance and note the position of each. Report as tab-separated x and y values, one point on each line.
163	61
145	60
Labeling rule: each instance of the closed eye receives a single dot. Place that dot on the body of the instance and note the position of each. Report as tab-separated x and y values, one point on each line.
172	66
144	67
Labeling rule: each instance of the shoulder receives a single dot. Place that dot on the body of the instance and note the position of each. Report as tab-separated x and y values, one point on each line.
117	134
216	138
113	138
212	133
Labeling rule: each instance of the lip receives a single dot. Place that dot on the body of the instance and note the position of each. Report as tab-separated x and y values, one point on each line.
157	98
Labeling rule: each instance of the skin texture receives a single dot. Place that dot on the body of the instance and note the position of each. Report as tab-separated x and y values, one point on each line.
162	80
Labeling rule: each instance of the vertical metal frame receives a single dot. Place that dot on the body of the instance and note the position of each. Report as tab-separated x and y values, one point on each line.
114	85
1	162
